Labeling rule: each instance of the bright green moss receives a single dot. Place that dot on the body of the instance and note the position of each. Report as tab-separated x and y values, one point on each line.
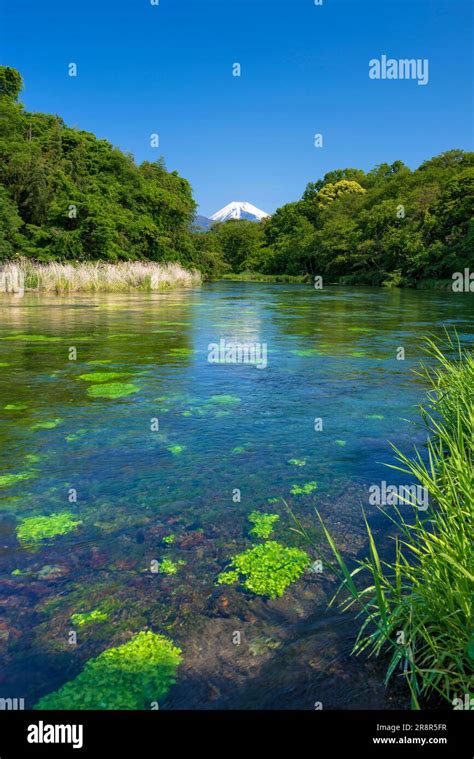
88	617
228	578
101	376
175	449
33	338
181	351
131	676
112	390
15	407
224	399
266	569
75	435
35	529
304	489
168	567
48	425
169	539
262	524
7	480
297	462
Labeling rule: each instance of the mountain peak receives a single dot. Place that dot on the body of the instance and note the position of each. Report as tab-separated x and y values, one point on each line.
239	209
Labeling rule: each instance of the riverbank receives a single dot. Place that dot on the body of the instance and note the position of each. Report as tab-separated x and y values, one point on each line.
97	276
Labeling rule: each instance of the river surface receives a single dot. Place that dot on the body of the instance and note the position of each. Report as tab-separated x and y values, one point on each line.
186	448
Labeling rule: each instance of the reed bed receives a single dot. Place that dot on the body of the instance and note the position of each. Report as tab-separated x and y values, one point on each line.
98	276
417	609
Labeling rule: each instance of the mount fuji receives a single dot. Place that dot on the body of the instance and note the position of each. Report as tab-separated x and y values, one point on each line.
239	210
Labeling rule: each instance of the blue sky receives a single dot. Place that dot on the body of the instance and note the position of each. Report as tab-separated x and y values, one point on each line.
167	69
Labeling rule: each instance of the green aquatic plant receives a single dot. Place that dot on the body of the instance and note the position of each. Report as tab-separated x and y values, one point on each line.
35	529
15	407
7	480
340	443
76	435
32	458
306	489
168	567
132	676
266	569
112	390
224	399
230	577
238	449
262	523
181	351
169	539
47	425
102	376
306	352
297	462
88	617
176	449
33	338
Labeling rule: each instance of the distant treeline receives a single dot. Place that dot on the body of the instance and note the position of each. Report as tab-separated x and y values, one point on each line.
67	196
391	226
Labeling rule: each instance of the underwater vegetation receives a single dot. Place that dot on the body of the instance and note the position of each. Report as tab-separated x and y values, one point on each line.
131	676
266	569
169	539
306	489
169	567
47	425
224	399
6	480
112	390
297	462
175	449
35	529
262	524
101	376
33	338
85	618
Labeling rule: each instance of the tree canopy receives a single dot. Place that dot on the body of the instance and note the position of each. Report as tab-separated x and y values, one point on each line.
67	195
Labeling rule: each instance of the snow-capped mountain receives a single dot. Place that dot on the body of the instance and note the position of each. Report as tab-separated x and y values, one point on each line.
239	210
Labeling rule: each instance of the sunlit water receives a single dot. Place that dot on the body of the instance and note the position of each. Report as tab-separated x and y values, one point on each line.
332	355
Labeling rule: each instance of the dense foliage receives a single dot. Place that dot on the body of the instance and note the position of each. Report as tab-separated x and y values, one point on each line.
66	195
390	226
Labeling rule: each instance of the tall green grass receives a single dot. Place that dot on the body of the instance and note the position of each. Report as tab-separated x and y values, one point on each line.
417	608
